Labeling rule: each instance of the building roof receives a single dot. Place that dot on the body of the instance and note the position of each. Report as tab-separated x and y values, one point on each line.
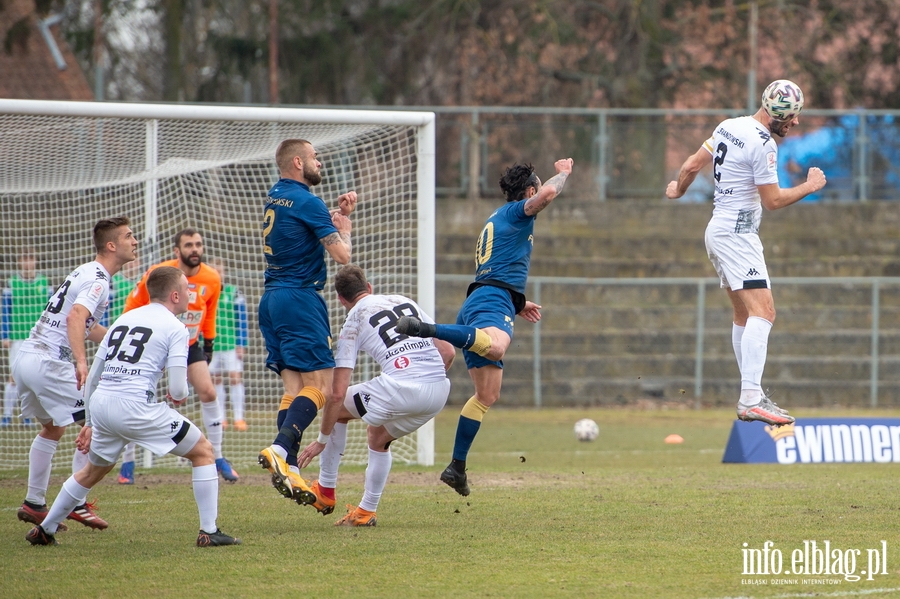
28	69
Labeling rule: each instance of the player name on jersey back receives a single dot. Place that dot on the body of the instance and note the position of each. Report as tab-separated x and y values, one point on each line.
744	157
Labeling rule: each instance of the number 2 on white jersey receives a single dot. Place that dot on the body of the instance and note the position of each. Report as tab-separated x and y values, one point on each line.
721	150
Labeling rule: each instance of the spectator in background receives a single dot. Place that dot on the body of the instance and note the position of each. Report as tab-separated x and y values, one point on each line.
24	297
231	340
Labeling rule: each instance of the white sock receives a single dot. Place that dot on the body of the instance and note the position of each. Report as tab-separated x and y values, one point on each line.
282	452
40	461
237	401
79	461
737	333
70	496
376	477
754	346
128	454
212	422
206	494
220	399
330	458
9	399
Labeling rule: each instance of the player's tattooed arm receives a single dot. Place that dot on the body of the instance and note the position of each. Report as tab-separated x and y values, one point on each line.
551	188
338	244
338	237
541	200
334	238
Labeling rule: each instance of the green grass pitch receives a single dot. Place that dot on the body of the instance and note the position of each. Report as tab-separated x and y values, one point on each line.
624	516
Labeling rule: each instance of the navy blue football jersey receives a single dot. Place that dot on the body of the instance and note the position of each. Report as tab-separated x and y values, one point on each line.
294	221
503	250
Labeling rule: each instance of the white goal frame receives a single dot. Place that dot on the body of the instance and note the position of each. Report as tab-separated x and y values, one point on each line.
153	114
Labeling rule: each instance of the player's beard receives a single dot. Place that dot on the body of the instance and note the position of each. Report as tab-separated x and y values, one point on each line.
191	260
312	177
779	128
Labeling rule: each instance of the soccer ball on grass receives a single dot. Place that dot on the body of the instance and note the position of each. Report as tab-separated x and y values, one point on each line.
586	430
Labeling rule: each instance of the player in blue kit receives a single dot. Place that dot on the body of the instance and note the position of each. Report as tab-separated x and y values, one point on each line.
484	325
298	229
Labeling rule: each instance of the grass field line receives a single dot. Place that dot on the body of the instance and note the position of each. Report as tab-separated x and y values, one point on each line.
859	593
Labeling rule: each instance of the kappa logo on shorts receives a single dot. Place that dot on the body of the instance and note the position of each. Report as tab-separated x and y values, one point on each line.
366	398
174	425
752	272
79	403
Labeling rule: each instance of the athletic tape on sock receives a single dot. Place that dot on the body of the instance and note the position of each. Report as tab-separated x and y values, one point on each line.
482	343
474	410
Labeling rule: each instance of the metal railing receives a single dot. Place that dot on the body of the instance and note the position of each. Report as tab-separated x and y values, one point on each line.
537	283
633	153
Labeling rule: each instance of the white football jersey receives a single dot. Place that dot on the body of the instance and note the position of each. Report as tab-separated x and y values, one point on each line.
370	328
87	285
136	349
744	156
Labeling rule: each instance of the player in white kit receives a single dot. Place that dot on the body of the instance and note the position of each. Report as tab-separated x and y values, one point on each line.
745	160
50	368
411	389
123	407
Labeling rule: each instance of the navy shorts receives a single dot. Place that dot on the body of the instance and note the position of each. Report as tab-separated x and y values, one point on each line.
294	324
487	307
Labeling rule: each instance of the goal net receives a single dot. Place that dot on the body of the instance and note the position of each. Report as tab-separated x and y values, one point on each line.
67	165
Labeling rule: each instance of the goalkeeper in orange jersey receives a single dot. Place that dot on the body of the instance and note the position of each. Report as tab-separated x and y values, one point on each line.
204	287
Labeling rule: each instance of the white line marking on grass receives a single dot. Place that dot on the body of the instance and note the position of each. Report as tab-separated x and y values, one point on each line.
858	593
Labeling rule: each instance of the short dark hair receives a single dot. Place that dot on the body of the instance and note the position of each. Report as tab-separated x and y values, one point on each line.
515	180
104	231
350	281
162	281
287	150
189	232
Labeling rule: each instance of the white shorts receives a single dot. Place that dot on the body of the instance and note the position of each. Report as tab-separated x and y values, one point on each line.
14	347
402	407
225	361
46	388
737	258
157	427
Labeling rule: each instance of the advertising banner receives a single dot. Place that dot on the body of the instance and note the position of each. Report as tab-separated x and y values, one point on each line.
815	441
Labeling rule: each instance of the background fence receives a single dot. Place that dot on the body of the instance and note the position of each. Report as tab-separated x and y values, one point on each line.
633	153
606	341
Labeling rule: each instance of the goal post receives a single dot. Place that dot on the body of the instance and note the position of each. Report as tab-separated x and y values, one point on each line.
67	165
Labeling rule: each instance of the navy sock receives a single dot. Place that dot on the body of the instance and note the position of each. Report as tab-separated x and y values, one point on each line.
299	416
456	334
465	434
293	449
291	459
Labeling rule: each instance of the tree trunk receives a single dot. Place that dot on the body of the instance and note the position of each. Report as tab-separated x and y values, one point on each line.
173	83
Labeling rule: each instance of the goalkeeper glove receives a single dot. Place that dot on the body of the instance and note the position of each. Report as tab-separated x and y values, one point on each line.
208	350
